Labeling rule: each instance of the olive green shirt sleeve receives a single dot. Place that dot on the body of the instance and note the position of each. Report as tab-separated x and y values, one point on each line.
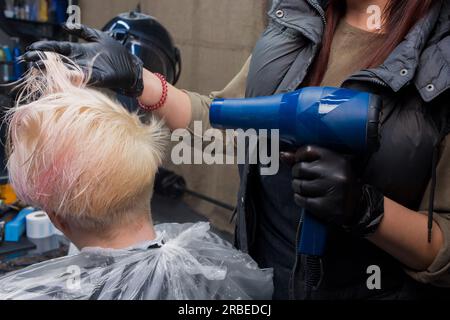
201	104
438	273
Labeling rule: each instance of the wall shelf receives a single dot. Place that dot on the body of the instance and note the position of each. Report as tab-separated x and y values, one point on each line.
30	31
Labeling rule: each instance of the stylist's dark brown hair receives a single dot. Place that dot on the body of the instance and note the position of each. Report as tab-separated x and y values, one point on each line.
399	17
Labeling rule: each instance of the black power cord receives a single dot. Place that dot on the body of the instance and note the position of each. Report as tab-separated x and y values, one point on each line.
313	275
169	184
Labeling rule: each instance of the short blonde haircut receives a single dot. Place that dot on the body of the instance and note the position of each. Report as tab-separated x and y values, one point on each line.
77	153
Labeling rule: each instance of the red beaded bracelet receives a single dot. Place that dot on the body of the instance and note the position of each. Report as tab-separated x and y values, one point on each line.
163	99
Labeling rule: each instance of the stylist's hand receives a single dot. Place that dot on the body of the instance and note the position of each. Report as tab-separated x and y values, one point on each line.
326	185
113	67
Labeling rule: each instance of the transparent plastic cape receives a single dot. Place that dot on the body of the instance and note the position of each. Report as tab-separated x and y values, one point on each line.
187	262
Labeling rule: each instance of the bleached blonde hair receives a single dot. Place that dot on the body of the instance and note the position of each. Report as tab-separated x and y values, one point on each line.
77	153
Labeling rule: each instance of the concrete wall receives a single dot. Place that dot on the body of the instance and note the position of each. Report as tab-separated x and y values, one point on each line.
215	38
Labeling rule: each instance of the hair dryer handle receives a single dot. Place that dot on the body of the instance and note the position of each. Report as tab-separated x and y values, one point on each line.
313	236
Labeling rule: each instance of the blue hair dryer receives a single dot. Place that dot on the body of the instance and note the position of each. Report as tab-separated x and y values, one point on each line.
335	118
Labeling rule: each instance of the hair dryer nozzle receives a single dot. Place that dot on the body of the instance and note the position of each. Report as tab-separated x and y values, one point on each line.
336	118
255	113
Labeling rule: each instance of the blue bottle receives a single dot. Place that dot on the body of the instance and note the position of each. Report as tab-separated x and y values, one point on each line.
18	67
34	10
60	10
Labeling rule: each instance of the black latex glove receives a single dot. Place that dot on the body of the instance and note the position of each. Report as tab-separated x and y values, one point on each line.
113	66
326	185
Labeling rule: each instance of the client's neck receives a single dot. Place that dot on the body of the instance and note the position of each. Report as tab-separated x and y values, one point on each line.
122	237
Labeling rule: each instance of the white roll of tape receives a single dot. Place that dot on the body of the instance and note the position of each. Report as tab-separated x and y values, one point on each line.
39	226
